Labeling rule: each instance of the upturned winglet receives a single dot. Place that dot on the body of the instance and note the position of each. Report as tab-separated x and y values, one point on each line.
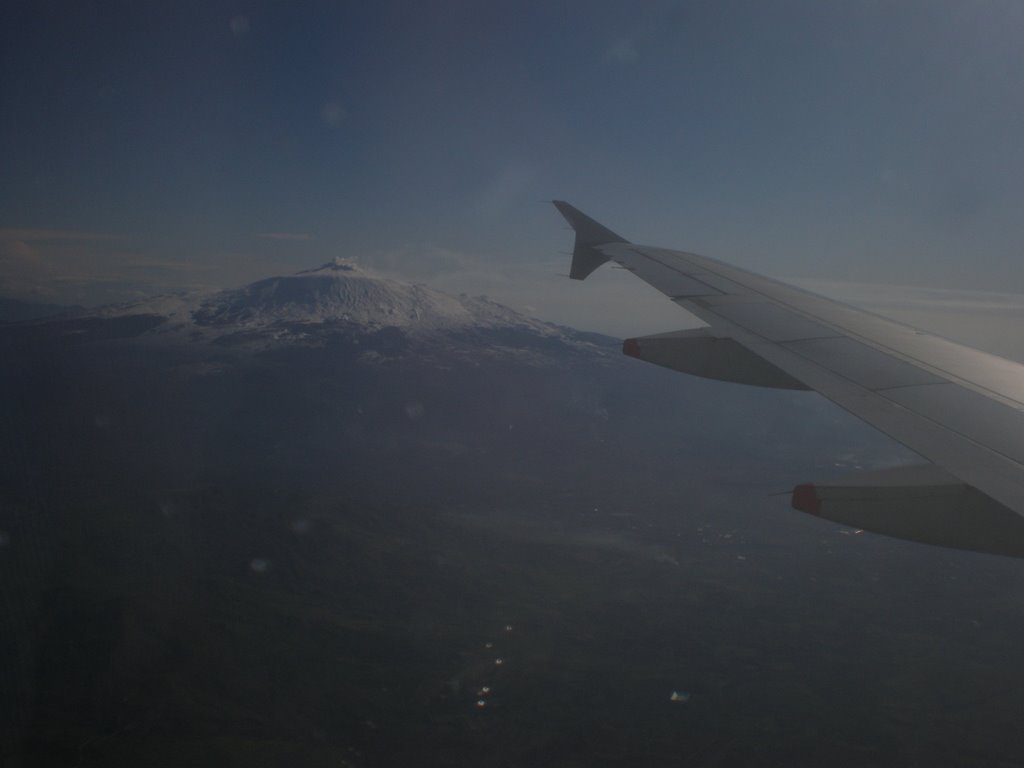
585	257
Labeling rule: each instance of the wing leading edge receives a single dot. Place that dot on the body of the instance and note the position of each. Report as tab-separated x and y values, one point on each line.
958	407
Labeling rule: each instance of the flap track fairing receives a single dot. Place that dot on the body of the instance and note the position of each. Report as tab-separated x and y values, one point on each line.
701	353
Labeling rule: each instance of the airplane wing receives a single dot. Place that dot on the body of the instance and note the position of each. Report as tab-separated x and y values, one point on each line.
959	408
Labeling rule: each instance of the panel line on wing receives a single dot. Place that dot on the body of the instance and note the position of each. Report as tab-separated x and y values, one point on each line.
863	364
896	387
1001	377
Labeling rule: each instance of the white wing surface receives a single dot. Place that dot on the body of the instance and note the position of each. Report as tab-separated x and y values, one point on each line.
959	408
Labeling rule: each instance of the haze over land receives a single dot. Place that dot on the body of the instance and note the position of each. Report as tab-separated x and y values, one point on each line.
303	519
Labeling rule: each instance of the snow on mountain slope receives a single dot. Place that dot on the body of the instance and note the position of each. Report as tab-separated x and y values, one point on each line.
341	291
338	297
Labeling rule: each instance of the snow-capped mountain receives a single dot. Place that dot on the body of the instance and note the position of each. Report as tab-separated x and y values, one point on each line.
312	306
343	291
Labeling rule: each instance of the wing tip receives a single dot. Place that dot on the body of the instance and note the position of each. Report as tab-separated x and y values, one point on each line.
588	231
585	257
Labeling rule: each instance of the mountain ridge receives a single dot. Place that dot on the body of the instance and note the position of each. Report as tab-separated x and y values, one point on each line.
340	298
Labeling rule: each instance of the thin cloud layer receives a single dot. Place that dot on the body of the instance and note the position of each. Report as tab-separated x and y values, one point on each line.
87	268
285	236
984	319
26	235
622	50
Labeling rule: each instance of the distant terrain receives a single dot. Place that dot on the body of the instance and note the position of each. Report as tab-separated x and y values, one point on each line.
17	310
300	523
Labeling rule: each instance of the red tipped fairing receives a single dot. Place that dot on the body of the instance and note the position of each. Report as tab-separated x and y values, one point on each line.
919	502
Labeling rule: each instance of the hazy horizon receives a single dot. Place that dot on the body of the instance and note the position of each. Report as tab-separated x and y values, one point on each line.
154	148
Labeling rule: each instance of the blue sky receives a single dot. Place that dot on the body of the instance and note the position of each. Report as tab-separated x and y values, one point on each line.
152	145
